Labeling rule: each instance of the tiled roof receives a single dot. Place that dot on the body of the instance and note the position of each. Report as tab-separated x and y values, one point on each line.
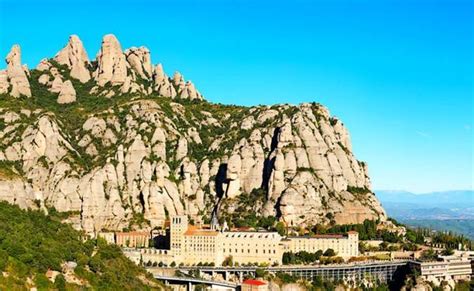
318	236
194	230
254	282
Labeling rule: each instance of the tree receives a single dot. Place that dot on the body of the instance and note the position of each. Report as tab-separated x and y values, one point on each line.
42	282
281	228
428	255
447	252
60	282
318	281
3	259
260	273
329	253
319	253
228	261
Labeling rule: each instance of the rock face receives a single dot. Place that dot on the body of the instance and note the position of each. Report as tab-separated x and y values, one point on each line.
67	93
185	90
4	84
162	84
141	161
111	62
135	163
75	57
140	61
113	73
16	75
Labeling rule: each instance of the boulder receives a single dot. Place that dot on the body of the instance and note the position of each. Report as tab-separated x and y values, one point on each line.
56	85
67	94
43	79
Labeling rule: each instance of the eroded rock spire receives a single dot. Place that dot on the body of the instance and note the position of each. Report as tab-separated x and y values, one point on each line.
16	74
75	57
111	62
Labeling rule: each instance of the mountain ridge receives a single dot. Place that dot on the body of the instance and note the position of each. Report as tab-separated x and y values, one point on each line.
128	146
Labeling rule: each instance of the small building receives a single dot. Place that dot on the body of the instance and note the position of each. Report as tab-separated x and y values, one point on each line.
449	268
254	285
109	237
345	246
246	247
133	239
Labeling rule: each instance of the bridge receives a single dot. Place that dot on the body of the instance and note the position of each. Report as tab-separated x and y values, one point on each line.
352	272
191	282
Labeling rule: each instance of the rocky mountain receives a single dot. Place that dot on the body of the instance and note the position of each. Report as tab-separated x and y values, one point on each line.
116	144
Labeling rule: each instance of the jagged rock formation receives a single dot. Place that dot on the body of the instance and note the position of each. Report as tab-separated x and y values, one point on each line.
162	84
67	93
140	61
75	57
15	76
143	155
111	62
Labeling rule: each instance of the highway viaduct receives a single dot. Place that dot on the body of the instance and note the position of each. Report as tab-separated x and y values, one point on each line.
353	272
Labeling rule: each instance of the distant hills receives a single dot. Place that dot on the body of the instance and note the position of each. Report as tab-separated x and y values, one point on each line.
449	210
456	199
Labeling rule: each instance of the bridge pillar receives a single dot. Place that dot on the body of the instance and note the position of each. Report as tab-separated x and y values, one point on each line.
190	286
226	275
241	276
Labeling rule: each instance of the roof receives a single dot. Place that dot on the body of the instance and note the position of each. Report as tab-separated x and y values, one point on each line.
133	233
317	236
254	282
194	230
352	232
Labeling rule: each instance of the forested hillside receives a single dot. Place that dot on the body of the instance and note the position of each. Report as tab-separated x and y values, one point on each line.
33	246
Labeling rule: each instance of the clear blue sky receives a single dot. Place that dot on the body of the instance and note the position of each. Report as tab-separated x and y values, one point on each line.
399	73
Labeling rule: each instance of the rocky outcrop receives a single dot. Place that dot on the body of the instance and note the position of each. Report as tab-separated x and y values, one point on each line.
4	84
140	61
135	163
162	84
142	161
16	75
185	90
115	72
111	62
56	85
75	57
67	93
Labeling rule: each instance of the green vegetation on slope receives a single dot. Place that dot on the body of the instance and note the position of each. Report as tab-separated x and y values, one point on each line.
32	243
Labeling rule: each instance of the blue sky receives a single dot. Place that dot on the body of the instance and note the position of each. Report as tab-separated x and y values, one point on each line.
400	74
